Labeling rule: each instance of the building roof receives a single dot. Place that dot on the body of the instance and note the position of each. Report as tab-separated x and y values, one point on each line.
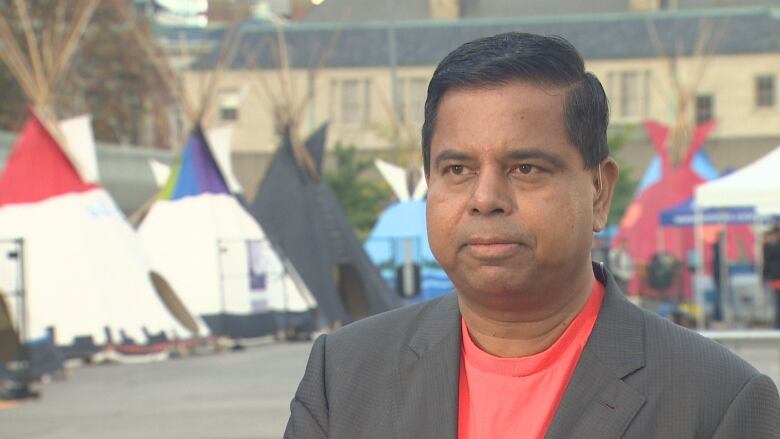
345	11
425	43
342	11
505	8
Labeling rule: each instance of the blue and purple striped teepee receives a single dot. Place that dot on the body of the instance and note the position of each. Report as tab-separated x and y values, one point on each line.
196	172
211	251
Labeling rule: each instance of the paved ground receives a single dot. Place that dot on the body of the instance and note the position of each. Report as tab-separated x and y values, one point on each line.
231	395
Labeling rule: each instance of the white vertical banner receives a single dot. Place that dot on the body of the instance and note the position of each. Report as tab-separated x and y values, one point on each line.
258	276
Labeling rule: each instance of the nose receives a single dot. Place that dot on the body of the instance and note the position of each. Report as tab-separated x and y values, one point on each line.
492	194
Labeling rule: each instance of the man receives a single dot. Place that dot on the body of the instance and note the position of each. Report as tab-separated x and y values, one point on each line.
717	270
771	272
536	341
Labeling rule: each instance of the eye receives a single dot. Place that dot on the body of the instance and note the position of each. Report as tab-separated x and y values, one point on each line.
524	169
455	169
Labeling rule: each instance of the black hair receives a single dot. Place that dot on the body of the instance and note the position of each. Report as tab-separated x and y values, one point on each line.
515	56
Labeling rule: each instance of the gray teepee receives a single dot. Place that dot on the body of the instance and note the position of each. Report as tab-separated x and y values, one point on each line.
301	214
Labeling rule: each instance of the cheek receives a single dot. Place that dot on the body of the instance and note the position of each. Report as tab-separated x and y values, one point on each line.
563	222
439	221
580	223
443	214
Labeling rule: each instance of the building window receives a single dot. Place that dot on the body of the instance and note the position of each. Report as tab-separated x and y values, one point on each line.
332	99
401	92
415	104
354	100
705	108
350	101
765	91
630	104
366	100
228	105
411	99
629	93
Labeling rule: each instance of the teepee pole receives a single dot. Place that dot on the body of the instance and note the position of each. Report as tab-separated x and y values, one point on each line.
226	55
262	87
161	66
34	51
71	42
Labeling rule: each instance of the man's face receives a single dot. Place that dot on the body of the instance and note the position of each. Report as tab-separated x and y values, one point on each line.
510	204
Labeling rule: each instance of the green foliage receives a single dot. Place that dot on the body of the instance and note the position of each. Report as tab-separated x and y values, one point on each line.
361	197
624	190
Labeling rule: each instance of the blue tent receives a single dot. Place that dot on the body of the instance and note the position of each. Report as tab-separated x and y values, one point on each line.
684	215
402	225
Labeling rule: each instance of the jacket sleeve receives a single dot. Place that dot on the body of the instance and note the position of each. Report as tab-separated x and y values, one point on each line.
754	413
309	407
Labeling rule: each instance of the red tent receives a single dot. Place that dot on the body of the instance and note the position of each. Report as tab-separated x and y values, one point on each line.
640	226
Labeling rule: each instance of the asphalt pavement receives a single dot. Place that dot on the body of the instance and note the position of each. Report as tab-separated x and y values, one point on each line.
236	395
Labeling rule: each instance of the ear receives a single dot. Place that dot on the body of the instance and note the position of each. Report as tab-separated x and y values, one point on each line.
605	177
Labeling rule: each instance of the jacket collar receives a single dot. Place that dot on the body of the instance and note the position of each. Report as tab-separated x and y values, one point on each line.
428	373
597	403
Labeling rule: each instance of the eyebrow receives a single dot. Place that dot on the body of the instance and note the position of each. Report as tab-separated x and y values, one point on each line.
536	153
450	154
515	154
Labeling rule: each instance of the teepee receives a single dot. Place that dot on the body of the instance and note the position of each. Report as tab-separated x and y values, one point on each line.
69	260
304	217
675	171
204	243
400	236
302	214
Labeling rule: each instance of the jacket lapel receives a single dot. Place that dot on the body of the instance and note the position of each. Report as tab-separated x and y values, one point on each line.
427	394
597	403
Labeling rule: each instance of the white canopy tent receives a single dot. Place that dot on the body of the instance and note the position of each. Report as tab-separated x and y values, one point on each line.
757	185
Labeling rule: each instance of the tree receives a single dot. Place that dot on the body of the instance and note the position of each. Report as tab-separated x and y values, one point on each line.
362	198
119	85
12	112
626	186
108	77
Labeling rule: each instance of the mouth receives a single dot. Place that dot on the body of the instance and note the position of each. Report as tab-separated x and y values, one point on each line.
491	248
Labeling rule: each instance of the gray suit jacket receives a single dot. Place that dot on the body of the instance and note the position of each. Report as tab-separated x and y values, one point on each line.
395	375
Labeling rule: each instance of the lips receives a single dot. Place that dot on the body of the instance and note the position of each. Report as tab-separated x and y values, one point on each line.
491	248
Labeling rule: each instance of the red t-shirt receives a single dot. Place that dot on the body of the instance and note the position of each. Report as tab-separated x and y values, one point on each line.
518	397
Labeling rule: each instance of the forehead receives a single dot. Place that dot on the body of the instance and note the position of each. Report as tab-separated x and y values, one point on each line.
517	114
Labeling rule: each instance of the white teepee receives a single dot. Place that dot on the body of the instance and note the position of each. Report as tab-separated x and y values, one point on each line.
68	258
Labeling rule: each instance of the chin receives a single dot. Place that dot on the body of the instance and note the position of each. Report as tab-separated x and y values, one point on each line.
494	281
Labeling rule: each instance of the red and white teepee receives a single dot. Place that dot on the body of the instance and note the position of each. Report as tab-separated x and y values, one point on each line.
84	269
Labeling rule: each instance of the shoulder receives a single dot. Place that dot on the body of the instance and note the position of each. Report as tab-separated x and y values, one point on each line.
692	374
393	328
694	354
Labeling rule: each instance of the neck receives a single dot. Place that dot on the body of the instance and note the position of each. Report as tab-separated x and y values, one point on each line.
524	331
